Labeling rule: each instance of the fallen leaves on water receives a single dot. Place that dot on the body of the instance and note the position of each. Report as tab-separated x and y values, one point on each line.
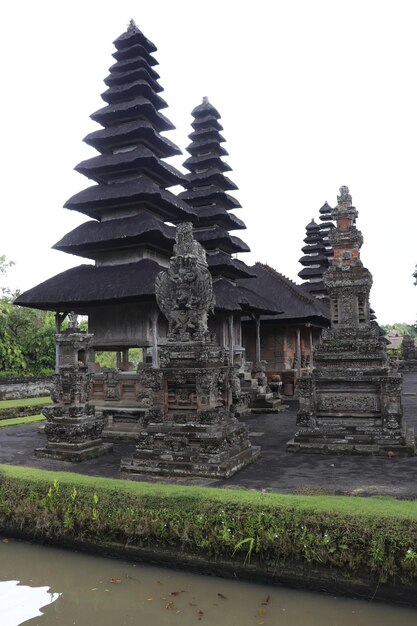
5	541
223	597
261	612
266	601
170	605
94	589
116	581
200	612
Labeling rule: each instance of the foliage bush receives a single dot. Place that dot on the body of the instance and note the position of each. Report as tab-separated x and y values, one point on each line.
373	536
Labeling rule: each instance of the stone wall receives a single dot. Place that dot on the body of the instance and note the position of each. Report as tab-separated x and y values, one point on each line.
15	388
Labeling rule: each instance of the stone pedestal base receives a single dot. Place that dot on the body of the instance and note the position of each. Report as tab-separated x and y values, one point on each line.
74	452
122	424
73	433
355	440
191	449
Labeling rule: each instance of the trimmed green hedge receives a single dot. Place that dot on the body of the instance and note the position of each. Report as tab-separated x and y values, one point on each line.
377	536
16	421
24	402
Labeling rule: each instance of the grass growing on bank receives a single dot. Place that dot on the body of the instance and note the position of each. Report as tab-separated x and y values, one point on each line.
374	536
23	402
16	421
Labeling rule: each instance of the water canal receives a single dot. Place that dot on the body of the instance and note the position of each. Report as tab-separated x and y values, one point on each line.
43	586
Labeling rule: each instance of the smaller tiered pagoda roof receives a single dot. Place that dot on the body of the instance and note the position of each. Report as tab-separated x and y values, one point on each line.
326	226
315	261
206	191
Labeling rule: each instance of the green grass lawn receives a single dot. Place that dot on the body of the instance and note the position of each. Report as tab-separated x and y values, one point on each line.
9	404
15	421
382	506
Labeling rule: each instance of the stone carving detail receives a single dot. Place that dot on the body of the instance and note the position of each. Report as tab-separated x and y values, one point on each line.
347	402
152	378
344	195
184	292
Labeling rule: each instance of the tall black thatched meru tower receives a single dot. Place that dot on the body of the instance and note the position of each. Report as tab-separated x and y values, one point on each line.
130	234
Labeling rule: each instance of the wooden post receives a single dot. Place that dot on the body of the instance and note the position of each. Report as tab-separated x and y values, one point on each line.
231	339
154	322
311	348
298	352
258	338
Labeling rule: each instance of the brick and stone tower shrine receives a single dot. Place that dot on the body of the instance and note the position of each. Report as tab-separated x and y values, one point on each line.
350	403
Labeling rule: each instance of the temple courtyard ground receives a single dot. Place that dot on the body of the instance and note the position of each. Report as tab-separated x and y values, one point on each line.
276	471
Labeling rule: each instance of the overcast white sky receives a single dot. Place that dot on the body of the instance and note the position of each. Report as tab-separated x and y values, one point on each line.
313	95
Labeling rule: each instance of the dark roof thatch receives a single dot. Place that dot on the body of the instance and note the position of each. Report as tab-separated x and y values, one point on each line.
96	200
217	237
88	285
131	133
142	228
140	160
133	36
238	299
207	194
221	264
139	87
294	300
148	73
131	110
213	214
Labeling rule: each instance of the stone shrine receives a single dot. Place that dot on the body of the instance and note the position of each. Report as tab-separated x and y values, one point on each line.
73	431
190	429
350	403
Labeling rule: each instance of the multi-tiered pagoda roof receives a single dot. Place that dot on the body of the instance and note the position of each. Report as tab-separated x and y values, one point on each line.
129	202
207	189
315	261
326	226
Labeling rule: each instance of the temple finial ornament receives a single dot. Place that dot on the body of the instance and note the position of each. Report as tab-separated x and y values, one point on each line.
205	100
344	195
132	25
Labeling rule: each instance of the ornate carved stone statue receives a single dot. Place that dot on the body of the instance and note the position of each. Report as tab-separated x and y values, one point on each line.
190	430
351	402
185	293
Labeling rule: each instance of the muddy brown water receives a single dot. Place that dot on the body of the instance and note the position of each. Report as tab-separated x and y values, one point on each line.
41	585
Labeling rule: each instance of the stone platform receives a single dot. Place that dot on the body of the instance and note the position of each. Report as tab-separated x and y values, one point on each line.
275	471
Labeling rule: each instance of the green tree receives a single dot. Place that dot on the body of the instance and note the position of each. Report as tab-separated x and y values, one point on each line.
27	336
